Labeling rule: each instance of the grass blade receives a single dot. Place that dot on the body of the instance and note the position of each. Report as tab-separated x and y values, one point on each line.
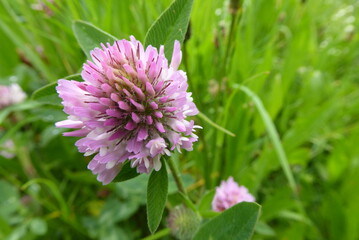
215	125
274	137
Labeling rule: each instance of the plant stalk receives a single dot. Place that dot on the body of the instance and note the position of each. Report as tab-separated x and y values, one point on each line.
158	235
177	177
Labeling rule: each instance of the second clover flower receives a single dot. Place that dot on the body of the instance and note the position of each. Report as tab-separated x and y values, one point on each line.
131	106
230	193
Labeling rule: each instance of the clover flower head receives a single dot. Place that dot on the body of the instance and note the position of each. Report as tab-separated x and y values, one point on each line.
131	106
10	95
228	194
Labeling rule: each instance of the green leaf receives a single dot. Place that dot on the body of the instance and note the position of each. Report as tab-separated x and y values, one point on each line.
75	77
170	26
90	37
44	91
237	222
126	173
157	190
47	94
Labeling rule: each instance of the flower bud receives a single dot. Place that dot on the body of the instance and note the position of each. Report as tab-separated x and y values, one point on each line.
183	222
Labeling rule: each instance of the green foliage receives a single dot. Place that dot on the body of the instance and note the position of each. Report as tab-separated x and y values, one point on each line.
298	58
47	94
235	223
157	190
273	135
170	26
90	37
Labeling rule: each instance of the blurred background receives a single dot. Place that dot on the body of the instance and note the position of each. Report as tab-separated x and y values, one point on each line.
300	57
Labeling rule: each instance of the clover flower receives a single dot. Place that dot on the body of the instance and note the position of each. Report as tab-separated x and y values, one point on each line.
229	194
132	106
10	95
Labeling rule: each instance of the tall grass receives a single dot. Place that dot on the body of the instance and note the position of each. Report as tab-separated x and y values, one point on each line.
299	59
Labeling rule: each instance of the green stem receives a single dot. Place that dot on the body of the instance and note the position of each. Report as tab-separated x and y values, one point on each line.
215	125
158	234
182	191
176	176
231	37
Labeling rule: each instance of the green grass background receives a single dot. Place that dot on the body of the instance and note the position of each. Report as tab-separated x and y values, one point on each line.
299	57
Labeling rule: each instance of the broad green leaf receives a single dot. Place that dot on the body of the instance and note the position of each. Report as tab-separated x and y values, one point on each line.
126	173
237	222
170	26
157	190
90	37
44	91
76	77
47	94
